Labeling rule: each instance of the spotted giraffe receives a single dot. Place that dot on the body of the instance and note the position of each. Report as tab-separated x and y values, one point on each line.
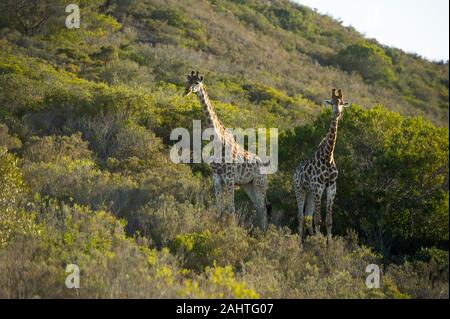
230	173
312	177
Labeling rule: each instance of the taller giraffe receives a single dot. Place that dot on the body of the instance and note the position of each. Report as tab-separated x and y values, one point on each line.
226	174
312	177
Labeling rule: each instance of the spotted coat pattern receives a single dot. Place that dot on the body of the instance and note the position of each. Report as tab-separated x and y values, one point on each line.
230	173
319	174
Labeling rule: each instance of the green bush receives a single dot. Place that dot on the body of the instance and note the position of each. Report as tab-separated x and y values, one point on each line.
126	72
422	280
53	148
63	168
163	219
8	141
111	265
218	282
393	175
367	59
14	220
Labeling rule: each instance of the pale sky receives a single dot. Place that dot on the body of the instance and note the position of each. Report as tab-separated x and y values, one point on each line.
420	26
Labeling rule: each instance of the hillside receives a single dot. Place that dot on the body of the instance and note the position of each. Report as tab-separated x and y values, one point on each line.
242	45
85	174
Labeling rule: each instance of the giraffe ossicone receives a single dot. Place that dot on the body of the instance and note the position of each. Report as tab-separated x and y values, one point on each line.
319	174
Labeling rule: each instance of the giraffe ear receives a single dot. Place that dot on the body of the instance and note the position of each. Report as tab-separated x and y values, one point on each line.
327	102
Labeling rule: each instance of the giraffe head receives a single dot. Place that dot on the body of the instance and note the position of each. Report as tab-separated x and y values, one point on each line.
337	102
193	84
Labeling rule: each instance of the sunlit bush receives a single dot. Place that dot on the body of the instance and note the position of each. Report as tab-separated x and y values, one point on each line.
14	220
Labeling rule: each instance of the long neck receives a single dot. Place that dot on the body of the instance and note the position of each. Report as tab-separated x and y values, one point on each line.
212	121
326	148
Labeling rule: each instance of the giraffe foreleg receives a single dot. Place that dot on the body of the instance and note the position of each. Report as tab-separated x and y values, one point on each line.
248	188
331	194
318	192
218	193
228	197
309	212
260	186
257	200
300	195
261	210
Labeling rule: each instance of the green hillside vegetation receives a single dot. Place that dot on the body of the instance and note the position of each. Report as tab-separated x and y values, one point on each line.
85	174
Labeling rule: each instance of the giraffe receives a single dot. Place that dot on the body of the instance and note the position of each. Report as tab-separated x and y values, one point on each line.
228	174
312	177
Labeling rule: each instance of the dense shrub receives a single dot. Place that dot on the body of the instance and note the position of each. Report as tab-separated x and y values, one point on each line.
8	141
126	72
393	183
86	178
421	279
163	219
14	220
53	148
367	59
111	266
62	167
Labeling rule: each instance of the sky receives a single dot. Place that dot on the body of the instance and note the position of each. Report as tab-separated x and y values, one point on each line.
419	26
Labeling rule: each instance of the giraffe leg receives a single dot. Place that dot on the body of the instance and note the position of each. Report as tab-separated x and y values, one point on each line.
261	211
260	186
331	193
250	191
248	188
300	194
317	201
228	196
257	199
218	192
309	213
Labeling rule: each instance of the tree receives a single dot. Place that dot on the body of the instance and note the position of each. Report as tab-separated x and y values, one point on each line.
393	177
367	59
27	16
